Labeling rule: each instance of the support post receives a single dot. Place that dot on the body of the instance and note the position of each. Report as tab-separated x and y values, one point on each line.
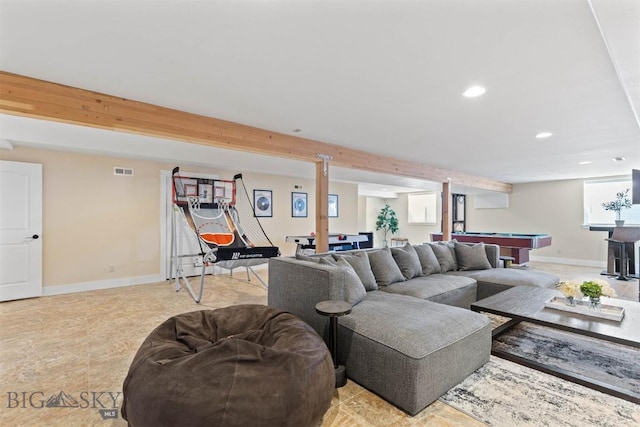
322	204
446	210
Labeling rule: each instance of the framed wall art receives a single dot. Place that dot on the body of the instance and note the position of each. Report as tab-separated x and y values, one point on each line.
263	203
299	207
333	205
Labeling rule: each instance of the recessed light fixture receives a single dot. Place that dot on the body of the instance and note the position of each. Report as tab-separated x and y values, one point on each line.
542	135
619	159
586	162
474	91
384	189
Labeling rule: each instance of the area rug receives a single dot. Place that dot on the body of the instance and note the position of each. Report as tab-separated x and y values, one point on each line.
611	363
504	394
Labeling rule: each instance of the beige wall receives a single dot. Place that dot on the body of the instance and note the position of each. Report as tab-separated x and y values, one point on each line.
282	224
93	219
554	208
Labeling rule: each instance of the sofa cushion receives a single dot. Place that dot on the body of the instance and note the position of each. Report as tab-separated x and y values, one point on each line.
407	260
384	268
445	255
471	257
360	263
428	259
411	351
495	280
459	291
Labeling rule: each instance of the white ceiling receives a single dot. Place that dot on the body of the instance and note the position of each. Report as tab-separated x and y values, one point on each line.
382	76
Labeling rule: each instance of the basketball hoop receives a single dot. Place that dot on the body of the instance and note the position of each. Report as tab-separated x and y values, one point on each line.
194	203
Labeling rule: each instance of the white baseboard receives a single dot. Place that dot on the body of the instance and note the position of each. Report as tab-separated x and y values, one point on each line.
570	261
101	284
126	281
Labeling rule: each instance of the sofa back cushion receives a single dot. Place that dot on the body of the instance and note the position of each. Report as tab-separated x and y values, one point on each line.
354	290
471	257
446	256
360	263
428	260
407	260
384	268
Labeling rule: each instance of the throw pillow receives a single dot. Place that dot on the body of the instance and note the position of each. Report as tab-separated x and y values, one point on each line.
445	257
384	268
451	245
428	259
472	257
354	290
360	263
407	260
302	257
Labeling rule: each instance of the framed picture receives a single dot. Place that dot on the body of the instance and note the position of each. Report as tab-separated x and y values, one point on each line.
333	205
299	205
262	203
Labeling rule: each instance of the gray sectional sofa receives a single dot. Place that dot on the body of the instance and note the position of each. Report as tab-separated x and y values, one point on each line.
410	336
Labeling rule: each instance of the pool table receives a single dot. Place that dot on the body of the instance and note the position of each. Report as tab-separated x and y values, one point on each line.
515	245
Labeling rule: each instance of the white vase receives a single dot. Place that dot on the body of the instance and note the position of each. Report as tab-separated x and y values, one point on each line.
619	222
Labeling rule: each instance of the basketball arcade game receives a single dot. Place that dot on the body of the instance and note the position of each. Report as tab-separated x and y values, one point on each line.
213	209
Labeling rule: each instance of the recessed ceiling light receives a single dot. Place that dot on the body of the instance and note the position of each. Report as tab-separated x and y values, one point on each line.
543	135
474	91
619	159
586	162
384	189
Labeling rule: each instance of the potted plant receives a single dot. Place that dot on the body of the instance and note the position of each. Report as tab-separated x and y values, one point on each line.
622	201
594	289
387	221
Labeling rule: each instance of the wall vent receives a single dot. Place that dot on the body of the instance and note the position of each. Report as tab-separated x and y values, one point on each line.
123	171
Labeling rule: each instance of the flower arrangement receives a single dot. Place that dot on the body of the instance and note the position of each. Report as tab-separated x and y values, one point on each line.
593	289
570	289
622	201
596	289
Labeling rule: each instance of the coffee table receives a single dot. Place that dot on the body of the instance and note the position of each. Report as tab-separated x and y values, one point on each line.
526	304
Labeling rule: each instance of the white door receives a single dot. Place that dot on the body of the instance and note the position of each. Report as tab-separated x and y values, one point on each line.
20	230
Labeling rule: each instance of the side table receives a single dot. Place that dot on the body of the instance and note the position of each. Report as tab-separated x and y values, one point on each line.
335	309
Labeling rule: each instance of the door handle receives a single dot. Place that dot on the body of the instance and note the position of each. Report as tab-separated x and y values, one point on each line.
35	237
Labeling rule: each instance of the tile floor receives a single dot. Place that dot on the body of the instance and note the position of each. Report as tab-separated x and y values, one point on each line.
81	344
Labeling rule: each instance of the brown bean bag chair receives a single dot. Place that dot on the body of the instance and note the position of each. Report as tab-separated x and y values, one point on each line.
245	365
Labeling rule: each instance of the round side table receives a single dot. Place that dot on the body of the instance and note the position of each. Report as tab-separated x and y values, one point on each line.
335	309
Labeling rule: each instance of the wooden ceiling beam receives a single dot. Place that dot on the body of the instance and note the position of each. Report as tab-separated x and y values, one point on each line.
29	97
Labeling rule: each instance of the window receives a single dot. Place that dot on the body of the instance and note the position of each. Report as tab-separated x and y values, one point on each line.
422	208
601	191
